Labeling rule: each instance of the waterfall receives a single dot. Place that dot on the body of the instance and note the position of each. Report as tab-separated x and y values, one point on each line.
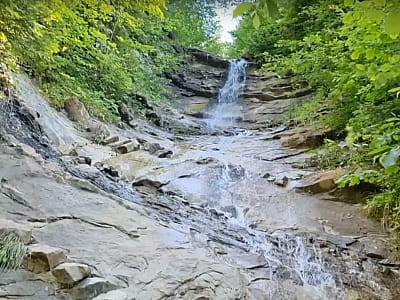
227	109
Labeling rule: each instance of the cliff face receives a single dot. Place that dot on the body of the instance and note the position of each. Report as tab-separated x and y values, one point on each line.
180	210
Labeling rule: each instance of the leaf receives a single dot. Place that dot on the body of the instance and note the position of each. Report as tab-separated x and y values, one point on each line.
395	90
386	67
379	150
392	23
256	21
242	8
273	10
390	159
348	2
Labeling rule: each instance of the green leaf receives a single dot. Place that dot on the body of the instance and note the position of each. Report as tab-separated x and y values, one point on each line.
256	21
242	8
390	159
395	90
392	23
348	2
273	10
379	150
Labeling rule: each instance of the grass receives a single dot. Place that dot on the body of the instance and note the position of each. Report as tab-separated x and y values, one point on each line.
12	252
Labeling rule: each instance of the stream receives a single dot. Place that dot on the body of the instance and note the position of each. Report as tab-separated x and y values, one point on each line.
210	206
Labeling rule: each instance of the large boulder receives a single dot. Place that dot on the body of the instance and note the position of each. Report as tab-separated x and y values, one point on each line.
76	110
321	182
68	274
43	258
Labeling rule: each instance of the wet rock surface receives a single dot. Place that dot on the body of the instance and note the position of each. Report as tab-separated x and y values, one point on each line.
204	223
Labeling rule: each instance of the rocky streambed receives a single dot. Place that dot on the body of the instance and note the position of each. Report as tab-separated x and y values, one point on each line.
185	210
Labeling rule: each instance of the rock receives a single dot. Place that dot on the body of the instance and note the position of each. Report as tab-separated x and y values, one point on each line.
149	183
29	151
115	145
281	181
67	150
12	193
109	140
165	154
305	138
125	113
359	295
152	147
22	230
68	274
205	161
99	130
230	209
91	287
209	59
43	258
110	170
129	147
76	110
83	160
113	295
320	182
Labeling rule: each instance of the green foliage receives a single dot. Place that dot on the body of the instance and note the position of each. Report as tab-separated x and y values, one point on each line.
348	51
12	252
102	52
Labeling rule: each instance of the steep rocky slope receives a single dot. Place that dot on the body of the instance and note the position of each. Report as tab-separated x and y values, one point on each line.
184	211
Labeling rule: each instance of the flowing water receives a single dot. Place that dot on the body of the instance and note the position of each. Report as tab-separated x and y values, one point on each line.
286	255
227	108
230	196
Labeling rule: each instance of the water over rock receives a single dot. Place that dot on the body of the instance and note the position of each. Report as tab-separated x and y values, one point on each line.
215	229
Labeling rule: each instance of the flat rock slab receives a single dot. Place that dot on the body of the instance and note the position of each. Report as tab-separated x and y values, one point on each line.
91	287
113	295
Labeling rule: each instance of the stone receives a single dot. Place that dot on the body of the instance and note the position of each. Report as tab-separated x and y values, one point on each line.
67	150
83	160
76	110
305	138
43	258
281	181
109	140
129	147
148	183
110	170
68	274
98	129
91	287
113	295
321	182
205	161
115	145
209	59
165	154
22	230
152	147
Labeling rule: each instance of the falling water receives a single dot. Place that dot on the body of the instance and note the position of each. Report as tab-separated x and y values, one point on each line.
227	108
287	255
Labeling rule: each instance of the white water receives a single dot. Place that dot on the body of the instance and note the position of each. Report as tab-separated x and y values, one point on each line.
228	108
287	255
